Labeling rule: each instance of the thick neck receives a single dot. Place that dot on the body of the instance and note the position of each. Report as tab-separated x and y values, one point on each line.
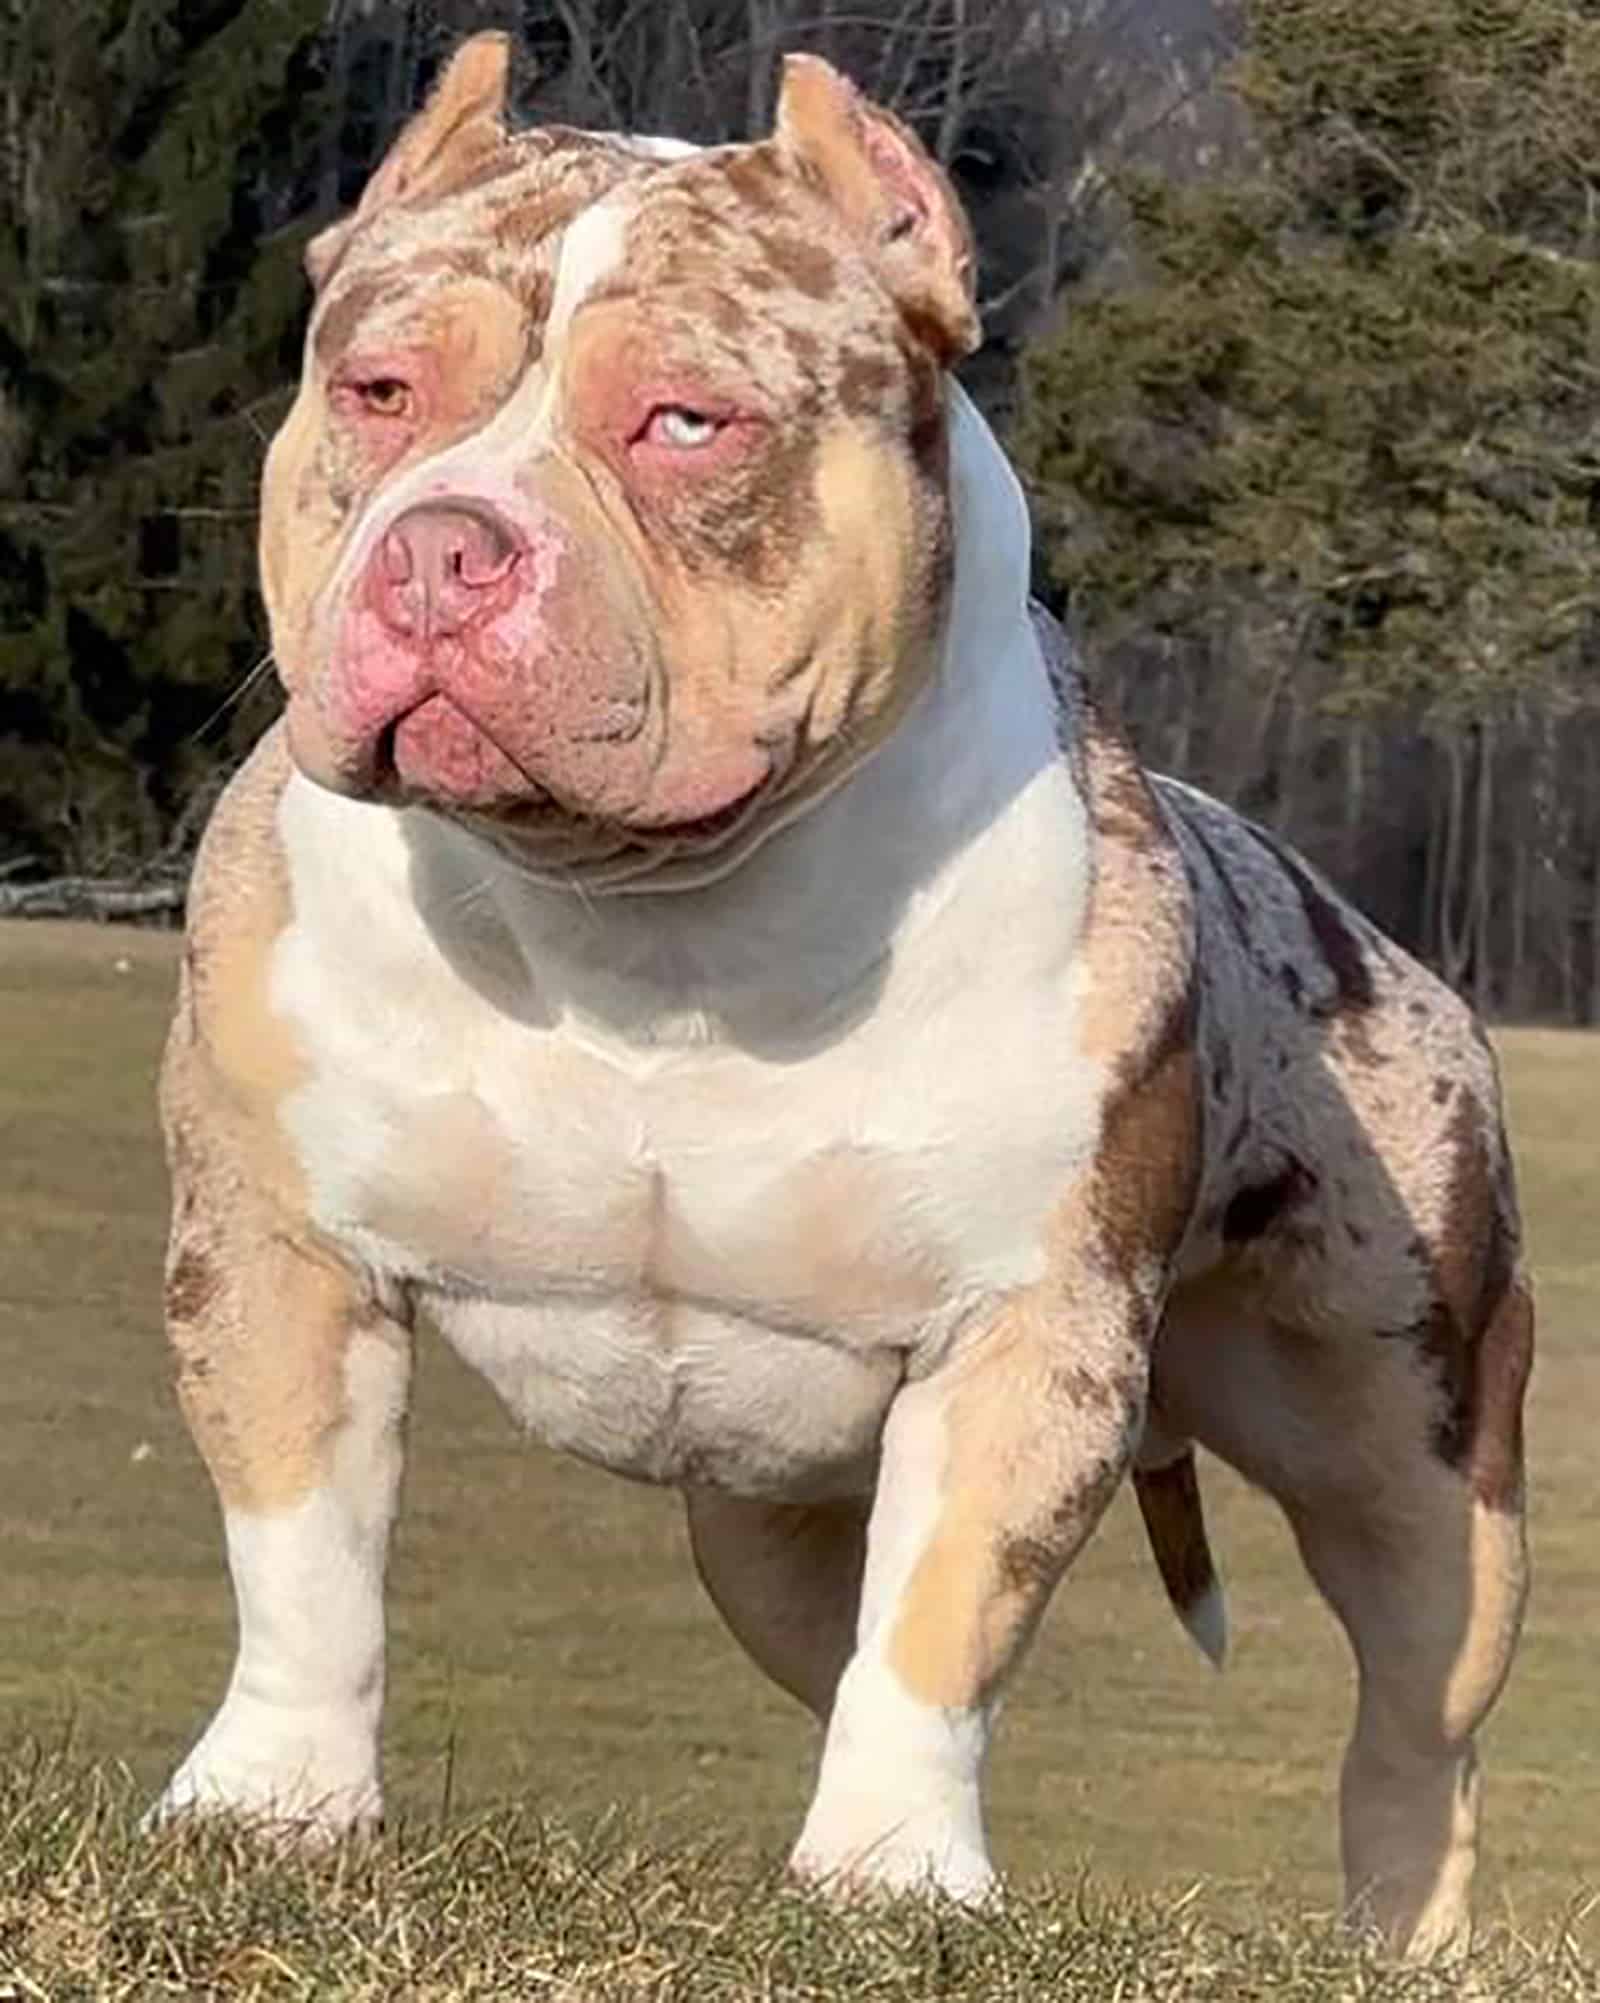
786	944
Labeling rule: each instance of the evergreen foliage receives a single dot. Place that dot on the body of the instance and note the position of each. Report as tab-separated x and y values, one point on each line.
152	304
161	167
1359	384
1314	445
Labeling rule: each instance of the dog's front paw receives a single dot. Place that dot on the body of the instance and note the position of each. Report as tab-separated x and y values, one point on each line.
920	1855
313	1773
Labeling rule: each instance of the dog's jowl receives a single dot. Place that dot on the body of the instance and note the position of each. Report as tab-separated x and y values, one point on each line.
691	941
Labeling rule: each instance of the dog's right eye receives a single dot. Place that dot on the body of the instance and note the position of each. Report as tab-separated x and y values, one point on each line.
388	397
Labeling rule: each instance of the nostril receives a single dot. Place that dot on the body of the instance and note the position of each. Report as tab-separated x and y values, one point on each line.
458	544
383	752
396	556
482	557
436	566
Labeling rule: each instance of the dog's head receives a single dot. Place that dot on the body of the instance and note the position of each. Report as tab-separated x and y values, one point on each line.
613	510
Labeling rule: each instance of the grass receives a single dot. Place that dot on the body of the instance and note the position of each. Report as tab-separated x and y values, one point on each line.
552	1657
510	1906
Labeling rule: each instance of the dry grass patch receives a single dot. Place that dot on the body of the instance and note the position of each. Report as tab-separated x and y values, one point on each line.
510	1906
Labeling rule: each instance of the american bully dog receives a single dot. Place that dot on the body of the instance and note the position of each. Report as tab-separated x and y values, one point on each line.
692	943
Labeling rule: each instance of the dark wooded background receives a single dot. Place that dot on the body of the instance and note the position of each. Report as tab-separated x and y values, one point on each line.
1292	313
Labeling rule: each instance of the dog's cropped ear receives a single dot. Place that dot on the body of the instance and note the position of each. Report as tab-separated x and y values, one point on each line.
461	125
893	196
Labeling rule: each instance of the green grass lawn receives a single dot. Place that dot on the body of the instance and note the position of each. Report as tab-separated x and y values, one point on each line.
549	1642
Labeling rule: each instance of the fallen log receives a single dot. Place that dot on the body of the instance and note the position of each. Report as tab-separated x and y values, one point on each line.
90	897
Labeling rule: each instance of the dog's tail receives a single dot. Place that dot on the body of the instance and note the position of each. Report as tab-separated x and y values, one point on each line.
1174	1521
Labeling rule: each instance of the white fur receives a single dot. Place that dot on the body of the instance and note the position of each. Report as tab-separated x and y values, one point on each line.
586	1127
706	1182
296	1738
897	1800
487	461
590	251
1207	1621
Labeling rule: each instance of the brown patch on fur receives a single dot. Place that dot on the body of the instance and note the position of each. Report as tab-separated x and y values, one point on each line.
193	1278
1029	1565
339	319
757	176
1147	1174
1503	1364
1478	1333
865	380
1124	807
810	269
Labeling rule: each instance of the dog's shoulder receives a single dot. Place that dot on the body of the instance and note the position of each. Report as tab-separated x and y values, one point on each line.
1268	910
1141	891
224	1033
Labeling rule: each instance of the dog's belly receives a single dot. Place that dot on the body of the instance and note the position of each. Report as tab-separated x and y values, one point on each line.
677	1392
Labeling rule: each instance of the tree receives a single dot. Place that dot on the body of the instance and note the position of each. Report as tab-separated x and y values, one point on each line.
161	166
1337	436
149	296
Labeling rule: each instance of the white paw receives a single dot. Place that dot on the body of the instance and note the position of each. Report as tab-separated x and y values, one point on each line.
897	1806
312	1771
921	1854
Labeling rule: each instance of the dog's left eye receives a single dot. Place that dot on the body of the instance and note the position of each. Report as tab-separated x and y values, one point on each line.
676	425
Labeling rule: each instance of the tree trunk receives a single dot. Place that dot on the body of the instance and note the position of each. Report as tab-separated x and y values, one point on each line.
1480	904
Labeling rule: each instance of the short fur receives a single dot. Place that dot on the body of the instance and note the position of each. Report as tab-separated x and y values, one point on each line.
754	1006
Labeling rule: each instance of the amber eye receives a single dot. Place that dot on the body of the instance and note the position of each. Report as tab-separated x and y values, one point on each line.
387	396
383	396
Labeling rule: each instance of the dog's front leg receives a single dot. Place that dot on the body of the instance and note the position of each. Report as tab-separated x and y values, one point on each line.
293	1381
995	1468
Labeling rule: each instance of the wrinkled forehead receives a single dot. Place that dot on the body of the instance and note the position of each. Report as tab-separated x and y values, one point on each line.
501	228
730	263
727	243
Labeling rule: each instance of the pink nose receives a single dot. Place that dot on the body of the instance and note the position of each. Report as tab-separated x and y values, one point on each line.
435	570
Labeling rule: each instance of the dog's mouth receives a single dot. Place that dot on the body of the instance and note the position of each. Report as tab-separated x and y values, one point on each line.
438	754
540	817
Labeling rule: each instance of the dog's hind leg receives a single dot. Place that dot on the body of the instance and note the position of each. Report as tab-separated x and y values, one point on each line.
1407	1509
1428	1581
786	1577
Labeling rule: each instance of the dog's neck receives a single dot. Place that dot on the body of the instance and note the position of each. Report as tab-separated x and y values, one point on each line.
786	945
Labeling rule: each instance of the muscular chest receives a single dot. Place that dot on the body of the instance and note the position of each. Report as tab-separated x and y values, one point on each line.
853	1194
705	1246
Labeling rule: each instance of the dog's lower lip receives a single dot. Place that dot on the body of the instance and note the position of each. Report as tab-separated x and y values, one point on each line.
705	825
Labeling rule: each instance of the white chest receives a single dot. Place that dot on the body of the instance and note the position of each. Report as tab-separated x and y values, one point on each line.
692	1251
